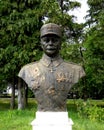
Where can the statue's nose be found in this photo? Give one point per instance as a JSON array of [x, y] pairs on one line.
[[50, 42]]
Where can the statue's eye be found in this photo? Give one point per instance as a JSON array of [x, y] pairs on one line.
[[54, 39], [46, 39]]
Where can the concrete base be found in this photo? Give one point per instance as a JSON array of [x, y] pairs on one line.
[[52, 121]]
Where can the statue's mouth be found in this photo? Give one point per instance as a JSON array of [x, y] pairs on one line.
[[51, 48]]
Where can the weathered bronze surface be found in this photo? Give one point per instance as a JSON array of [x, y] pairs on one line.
[[51, 78]]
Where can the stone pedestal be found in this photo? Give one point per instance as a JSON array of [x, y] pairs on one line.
[[52, 121]]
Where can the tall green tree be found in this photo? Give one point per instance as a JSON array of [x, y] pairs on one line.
[[19, 32], [94, 54]]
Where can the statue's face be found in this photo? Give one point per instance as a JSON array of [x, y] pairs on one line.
[[51, 45]]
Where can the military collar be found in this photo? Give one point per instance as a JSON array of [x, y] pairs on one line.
[[46, 60]]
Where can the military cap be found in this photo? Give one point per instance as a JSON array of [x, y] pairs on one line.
[[50, 28]]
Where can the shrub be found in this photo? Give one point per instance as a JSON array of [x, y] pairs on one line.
[[88, 110]]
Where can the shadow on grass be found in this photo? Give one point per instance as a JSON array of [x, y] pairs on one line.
[[5, 104]]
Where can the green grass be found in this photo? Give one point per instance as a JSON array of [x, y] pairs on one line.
[[85, 124], [82, 123], [21, 119], [16, 119]]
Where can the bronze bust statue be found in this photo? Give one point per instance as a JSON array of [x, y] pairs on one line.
[[51, 78]]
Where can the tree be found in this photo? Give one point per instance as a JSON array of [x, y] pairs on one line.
[[58, 11], [19, 31], [94, 44], [20, 28], [95, 11]]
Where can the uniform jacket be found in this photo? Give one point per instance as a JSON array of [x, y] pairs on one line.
[[51, 79]]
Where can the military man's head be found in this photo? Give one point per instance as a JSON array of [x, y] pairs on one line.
[[51, 39]]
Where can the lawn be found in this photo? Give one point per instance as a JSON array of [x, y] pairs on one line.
[[21, 119]]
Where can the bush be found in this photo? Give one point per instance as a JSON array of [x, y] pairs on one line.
[[88, 110]]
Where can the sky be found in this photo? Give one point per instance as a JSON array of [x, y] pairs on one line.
[[80, 13]]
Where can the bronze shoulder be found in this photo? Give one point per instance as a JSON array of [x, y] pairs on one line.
[[28, 71], [30, 64], [71, 64]]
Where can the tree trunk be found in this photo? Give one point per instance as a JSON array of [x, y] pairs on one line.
[[20, 100], [24, 95], [12, 103]]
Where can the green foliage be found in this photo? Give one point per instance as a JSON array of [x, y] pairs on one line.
[[95, 12], [71, 52], [19, 31], [94, 45], [94, 62], [57, 12], [30, 94], [91, 111], [20, 25]]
